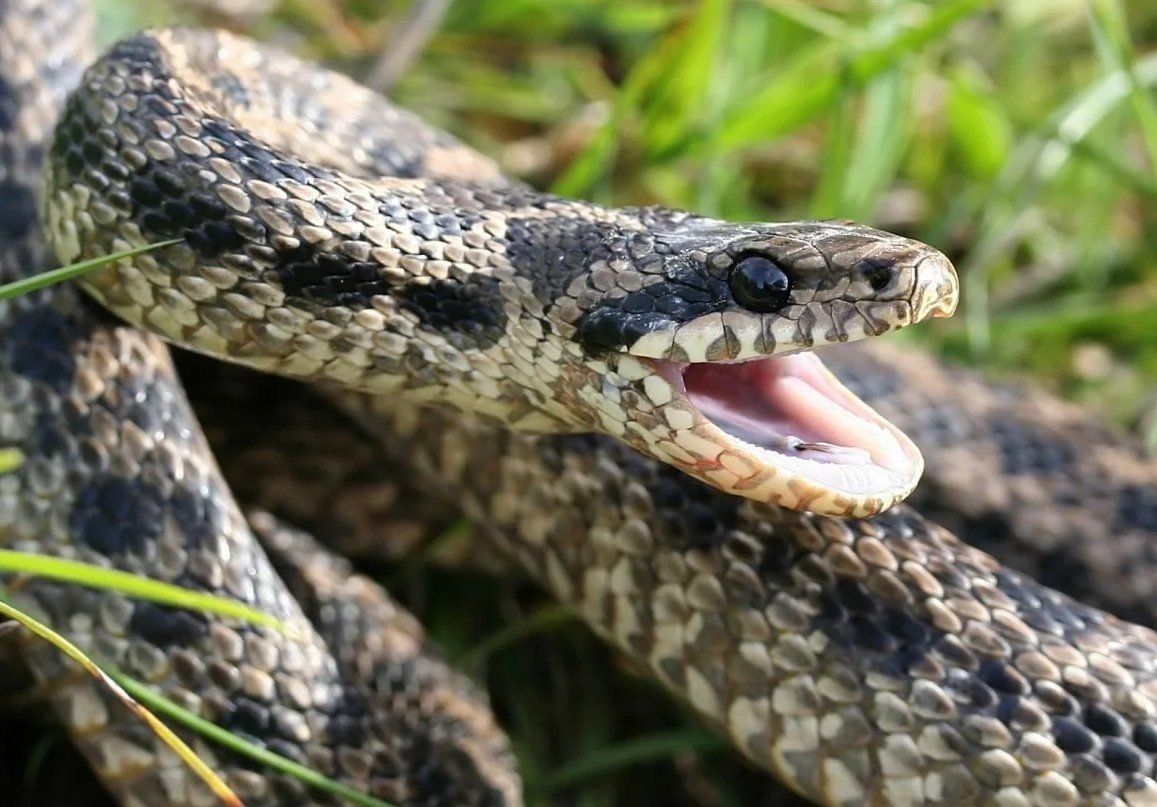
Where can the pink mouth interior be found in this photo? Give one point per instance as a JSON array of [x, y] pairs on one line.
[[795, 408]]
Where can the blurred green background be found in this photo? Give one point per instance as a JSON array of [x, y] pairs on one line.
[[1020, 137]]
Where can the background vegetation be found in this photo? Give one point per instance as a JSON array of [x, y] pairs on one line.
[[1020, 137]]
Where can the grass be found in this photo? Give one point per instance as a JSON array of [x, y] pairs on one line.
[[1019, 137]]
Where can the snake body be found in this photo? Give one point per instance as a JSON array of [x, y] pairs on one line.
[[1035, 481], [860, 660], [382, 271]]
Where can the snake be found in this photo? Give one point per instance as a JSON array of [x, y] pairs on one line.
[[855, 649]]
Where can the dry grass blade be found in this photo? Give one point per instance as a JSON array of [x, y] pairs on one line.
[[179, 747]]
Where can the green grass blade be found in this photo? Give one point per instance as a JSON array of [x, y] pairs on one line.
[[1111, 35], [74, 270], [177, 714], [614, 758], [800, 91], [10, 459], [135, 586], [543, 619]]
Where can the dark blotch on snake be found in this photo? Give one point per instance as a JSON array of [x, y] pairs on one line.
[[37, 345], [1071, 736], [198, 514], [17, 210], [149, 403], [9, 105], [1028, 449], [1002, 678], [1105, 721], [331, 279], [552, 252], [1145, 736], [116, 516], [166, 627], [471, 306], [855, 619], [1136, 509], [52, 438], [1123, 757], [246, 716]]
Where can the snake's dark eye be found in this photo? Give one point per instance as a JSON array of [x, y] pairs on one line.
[[759, 284]]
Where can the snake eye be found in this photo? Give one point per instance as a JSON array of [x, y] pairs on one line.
[[759, 284]]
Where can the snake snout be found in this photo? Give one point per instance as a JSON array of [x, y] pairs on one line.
[[938, 290]]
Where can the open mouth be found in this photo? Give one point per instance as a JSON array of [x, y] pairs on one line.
[[789, 412]]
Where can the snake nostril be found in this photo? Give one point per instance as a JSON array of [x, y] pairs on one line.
[[877, 272]]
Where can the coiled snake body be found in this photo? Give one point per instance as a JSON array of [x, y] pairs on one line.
[[858, 659]]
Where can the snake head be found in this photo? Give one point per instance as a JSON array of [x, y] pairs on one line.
[[706, 342]]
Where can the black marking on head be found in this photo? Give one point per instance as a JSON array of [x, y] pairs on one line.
[[167, 627], [1028, 448], [660, 284], [610, 328], [17, 211], [554, 252], [471, 306], [116, 516], [37, 344]]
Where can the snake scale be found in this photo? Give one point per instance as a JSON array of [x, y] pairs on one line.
[[859, 659]]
